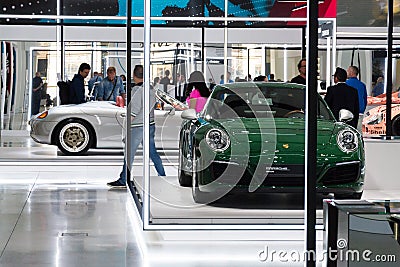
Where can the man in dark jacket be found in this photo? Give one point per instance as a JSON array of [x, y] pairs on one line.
[[77, 86], [301, 78], [165, 81], [342, 96], [37, 85]]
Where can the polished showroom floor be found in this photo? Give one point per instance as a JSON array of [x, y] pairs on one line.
[[56, 211]]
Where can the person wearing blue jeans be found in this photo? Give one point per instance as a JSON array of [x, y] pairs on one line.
[[137, 128], [137, 138]]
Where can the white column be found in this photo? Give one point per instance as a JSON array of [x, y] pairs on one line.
[[4, 76], [328, 62]]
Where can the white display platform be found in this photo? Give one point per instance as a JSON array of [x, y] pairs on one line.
[[172, 204], [382, 159], [220, 247]]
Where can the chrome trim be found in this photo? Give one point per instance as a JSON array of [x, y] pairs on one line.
[[226, 162], [347, 163]]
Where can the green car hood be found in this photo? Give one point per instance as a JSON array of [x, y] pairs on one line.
[[291, 131], [278, 137]]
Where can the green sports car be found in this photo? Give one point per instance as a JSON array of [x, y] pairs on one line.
[[250, 138]]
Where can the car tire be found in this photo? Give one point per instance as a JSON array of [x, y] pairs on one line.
[[183, 179], [198, 196], [73, 137], [396, 126]]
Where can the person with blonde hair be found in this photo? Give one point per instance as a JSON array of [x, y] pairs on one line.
[[110, 87]]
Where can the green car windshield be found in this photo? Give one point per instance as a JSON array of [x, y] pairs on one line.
[[255, 101]]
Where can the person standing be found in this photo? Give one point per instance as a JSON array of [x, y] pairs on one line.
[[123, 78], [271, 77], [165, 81], [228, 78], [91, 84], [181, 87], [211, 84], [261, 78], [342, 96], [199, 91], [353, 81], [77, 86], [37, 85], [137, 128], [301, 78], [110, 87], [379, 87]]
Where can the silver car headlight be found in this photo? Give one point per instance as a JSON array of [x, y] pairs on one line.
[[375, 119], [217, 140], [347, 140]]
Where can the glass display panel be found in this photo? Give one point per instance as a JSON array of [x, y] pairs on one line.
[[373, 76], [113, 11], [174, 198], [100, 8], [167, 201], [369, 13]]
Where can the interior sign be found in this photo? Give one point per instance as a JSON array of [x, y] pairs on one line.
[[325, 30]]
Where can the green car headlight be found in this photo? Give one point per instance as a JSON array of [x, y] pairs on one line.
[[375, 119], [347, 140], [217, 140]]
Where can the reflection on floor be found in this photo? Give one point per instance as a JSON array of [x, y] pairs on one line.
[[172, 204], [65, 217], [49, 219], [17, 121]]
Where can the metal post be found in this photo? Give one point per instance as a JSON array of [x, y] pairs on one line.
[[61, 12], [203, 58], [4, 79], [30, 83], [59, 55], [248, 64], [146, 109], [389, 69], [334, 43], [328, 62], [311, 130], [128, 107], [226, 43], [128, 90], [303, 42]]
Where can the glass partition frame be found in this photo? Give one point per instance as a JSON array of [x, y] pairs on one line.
[[146, 216]]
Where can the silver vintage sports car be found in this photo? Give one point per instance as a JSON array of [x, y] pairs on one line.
[[74, 129]]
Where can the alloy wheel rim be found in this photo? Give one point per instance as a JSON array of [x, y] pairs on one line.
[[74, 137]]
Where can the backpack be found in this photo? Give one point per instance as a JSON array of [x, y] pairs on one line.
[[64, 91]]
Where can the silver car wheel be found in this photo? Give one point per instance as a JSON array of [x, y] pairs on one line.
[[74, 137]]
